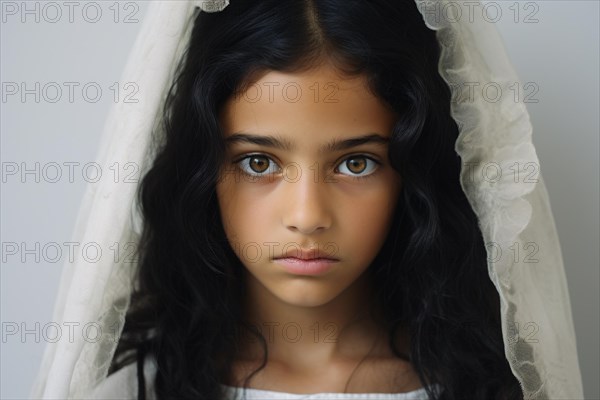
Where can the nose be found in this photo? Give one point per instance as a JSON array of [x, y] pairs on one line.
[[307, 203]]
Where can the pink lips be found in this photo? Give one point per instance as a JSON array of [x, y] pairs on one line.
[[314, 266]]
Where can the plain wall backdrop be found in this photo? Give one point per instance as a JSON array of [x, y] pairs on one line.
[[558, 54]]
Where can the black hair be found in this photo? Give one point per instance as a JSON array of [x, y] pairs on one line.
[[431, 274]]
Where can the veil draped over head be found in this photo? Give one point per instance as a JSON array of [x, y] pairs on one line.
[[500, 175]]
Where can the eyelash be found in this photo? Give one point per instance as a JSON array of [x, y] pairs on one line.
[[355, 177]]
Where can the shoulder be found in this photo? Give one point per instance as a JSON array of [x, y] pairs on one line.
[[123, 384]]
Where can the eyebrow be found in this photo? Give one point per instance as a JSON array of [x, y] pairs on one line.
[[284, 144]]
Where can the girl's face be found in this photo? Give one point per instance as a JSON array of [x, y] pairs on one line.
[[307, 168]]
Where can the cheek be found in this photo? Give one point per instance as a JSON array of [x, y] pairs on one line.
[[227, 200], [243, 212], [368, 227]]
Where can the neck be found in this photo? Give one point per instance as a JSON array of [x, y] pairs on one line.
[[299, 336]]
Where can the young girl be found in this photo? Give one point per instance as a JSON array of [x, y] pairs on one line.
[[306, 233]]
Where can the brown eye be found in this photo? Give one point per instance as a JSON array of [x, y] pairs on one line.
[[356, 165], [259, 163]]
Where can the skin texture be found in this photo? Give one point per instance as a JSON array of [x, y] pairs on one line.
[[304, 198]]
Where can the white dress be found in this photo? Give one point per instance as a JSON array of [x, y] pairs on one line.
[[123, 384]]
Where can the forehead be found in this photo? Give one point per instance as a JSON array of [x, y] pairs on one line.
[[309, 105]]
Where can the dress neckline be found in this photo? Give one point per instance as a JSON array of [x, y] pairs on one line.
[[272, 394]]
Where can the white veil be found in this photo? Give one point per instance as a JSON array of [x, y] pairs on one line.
[[500, 175]]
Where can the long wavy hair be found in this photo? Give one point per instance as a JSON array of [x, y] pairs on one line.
[[431, 274]]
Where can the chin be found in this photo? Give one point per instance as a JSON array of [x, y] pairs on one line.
[[305, 296], [303, 301]]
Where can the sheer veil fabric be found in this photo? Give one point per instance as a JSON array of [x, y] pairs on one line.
[[500, 175]]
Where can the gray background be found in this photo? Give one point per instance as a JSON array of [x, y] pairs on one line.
[[559, 53]]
